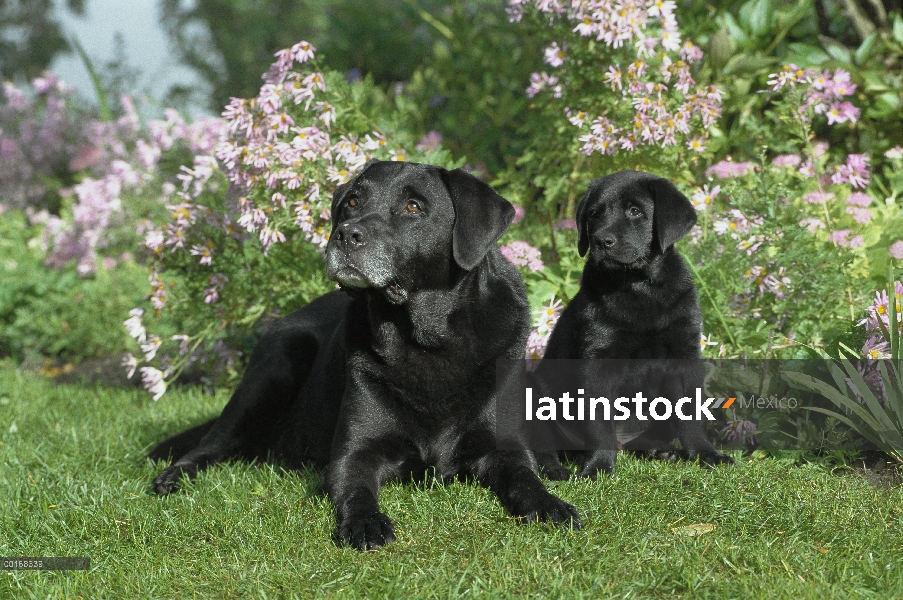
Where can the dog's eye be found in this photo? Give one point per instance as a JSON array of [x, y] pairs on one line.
[[633, 211], [412, 207], [352, 202]]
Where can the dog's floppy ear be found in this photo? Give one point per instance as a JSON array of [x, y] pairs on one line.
[[583, 216], [674, 215], [481, 217], [339, 194]]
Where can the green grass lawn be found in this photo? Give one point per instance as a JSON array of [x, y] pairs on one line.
[[75, 482]]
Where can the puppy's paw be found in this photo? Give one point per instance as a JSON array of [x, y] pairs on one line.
[[662, 454], [549, 508], [713, 457], [556, 473], [601, 461], [710, 457], [367, 532]]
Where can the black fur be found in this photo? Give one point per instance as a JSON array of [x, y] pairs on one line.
[[636, 301], [397, 373]]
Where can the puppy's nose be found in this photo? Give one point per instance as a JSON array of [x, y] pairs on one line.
[[606, 240], [351, 235]]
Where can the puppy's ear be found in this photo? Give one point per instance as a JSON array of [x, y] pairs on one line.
[[674, 215], [481, 217], [582, 218], [339, 194]]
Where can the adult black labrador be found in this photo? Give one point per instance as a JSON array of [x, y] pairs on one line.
[[636, 301], [396, 373]]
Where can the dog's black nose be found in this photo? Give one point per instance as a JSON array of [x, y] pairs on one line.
[[353, 235]]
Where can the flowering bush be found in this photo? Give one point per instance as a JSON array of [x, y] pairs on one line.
[[620, 91], [85, 178], [39, 138], [252, 214]]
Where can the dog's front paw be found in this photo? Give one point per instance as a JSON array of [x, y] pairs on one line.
[[367, 532], [546, 507], [601, 461], [168, 480]]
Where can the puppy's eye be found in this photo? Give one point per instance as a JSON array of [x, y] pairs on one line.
[[633, 211], [412, 207], [352, 202]]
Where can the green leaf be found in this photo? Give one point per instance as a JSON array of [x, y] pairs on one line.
[[737, 33], [761, 17], [898, 29], [806, 54], [720, 48], [838, 51], [866, 49], [834, 395], [743, 63], [104, 106]]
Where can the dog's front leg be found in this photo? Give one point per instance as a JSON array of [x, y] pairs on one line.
[[353, 482], [511, 475]]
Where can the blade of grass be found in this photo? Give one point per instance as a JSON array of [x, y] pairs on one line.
[[103, 104], [714, 304]]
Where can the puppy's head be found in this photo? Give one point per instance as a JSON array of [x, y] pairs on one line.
[[399, 227], [629, 217]]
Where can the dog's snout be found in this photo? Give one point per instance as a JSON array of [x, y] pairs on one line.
[[351, 235]]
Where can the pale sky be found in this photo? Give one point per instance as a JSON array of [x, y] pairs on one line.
[[146, 46]]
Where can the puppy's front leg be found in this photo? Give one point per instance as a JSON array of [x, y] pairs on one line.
[[604, 452], [696, 445], [511, 474]]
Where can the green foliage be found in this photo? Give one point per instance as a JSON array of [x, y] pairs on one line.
[[470, 86], [746, 41], [231, 42], [57, 313]]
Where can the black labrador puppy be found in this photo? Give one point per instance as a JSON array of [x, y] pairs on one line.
[[397, 372], [636, 301]]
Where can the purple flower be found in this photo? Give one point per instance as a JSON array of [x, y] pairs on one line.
[[787, 160], [739, 430], [855, 171], [153, 382], [817, 197], [812, 224], [859, 199], [519, 213], [727, 169], [554, 54], [860, 215], [541, 81], [896, 250], [841, 112], [430, 141], [543, 325], [523, 254]]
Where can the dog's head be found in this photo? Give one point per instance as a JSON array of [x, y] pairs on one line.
[[399, 227], [627, 218]]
